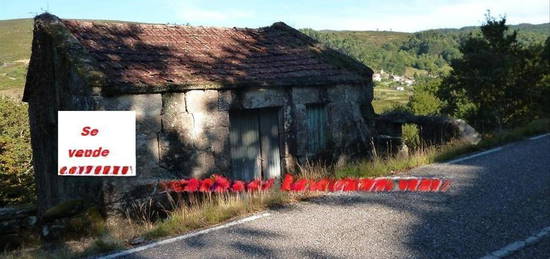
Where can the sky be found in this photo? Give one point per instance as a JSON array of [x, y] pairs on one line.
[[394, 15]]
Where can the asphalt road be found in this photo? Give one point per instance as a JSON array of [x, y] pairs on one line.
[[496, 199]]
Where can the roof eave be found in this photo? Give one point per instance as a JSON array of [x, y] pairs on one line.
[[123, 88]]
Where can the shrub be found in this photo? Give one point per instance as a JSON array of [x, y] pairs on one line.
[[424, 100], [16, 173], [424, 103], [411, 135]]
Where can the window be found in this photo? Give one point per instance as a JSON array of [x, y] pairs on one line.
[[316, 121]]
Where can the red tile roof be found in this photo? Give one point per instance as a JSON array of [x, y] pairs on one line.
[[162, 55]]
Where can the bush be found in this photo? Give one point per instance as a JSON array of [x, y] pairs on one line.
[[16, 173], [411, 136], [424, 100], [424, 103]]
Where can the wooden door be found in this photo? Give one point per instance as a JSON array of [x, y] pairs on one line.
[[269, 140], [245, 146], [254, 140]]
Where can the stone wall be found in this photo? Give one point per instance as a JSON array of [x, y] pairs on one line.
[[195, 133], [349, 128], [54, 85], [433, 129], [186, 134]]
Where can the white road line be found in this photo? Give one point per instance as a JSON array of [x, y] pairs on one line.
[[186, 236], [474, 155], [539, 136], [518, 245]]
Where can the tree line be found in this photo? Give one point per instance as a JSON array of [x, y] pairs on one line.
[[498, 81], [430, 51]]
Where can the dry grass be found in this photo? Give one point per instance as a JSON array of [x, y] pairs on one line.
[[382, 166], [315, 170], [144, 223], [219, 208]]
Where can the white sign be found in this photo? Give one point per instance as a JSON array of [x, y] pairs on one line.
[[96, 143]]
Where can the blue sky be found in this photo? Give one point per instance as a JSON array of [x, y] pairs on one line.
[[396, 15]]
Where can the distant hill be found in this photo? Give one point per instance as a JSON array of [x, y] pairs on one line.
[[15, 52], [417, 53], [15, 49], [398, 52], [15, 39]]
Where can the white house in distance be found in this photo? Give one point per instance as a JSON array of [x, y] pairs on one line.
[[376, 77]]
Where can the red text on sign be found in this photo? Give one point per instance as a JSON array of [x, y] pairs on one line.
[[89, 152], [86, 131]]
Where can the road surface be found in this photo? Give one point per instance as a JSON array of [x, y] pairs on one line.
[[496, 199]]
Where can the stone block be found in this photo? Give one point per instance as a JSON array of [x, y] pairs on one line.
[[205, 120], [306, 95], [201, 101], [263, 98], [202, 164], [147, 156], [173, 103], [181, 123], [147, 107], [344, 93], [174, 151], [219, 140], [227, 100]]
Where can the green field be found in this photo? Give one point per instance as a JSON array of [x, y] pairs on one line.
[[15, 50], [12, 75], [386, 98]]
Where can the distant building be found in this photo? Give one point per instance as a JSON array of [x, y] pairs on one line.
[[376, 77], [408, 82], [396, 78], [400, 88]]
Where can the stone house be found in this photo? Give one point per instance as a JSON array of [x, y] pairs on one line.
[[246, 103]]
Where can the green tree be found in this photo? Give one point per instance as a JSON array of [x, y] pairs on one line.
[[495, 78], [424, 100]]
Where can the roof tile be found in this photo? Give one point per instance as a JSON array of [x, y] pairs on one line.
[[156, 55]]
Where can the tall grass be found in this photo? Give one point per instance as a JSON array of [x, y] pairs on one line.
[[218, 208], [382, 166], [312, 169], [206, 211]]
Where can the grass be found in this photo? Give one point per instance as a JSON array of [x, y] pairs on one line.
[[15, 51], [386, 97], [382, 166], [218, 208], [203, 212], [15, 39], [12, 75], [213, 209]]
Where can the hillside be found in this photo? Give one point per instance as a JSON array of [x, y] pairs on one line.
[[417, 53], [15, 48], [15, 51], [400, 53]]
